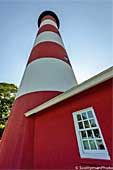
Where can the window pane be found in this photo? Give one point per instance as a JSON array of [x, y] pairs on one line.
[[85, 144], [90, 114], [86, 123], [92, 122], [100, 144], [90, 140], [96, 133], [78, 117], [92, 144], [80, 125], [89, 132], [84, 116], [83, 134]]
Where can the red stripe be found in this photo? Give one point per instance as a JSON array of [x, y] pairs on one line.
[[31, 100], [48, 49], [48, 17], [17, 145], [48, 27]]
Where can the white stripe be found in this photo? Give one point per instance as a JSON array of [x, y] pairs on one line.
[[48, 36], [48, 21], [47, 74]]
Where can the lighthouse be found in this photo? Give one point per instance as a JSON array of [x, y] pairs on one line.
[[48, 73]]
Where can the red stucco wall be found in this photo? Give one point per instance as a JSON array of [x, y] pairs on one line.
[[55, 139], [48, 139]]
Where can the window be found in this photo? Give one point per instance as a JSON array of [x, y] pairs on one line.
[[90, 140]]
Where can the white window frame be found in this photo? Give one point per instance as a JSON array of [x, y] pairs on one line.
[[89, 153]]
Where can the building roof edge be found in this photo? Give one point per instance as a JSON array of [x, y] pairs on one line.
[[93, 81]]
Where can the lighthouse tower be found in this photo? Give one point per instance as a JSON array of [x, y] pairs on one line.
[[48, 73]]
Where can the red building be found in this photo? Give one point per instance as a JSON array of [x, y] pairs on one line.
[[55, 122]]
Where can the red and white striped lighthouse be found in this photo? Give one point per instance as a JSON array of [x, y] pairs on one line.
[[48, 73]]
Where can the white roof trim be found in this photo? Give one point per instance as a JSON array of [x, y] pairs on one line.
[[99, 78]]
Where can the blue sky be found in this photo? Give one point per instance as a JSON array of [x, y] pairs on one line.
[[85, 26]]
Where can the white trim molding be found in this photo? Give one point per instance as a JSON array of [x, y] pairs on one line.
[[99, 78]]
